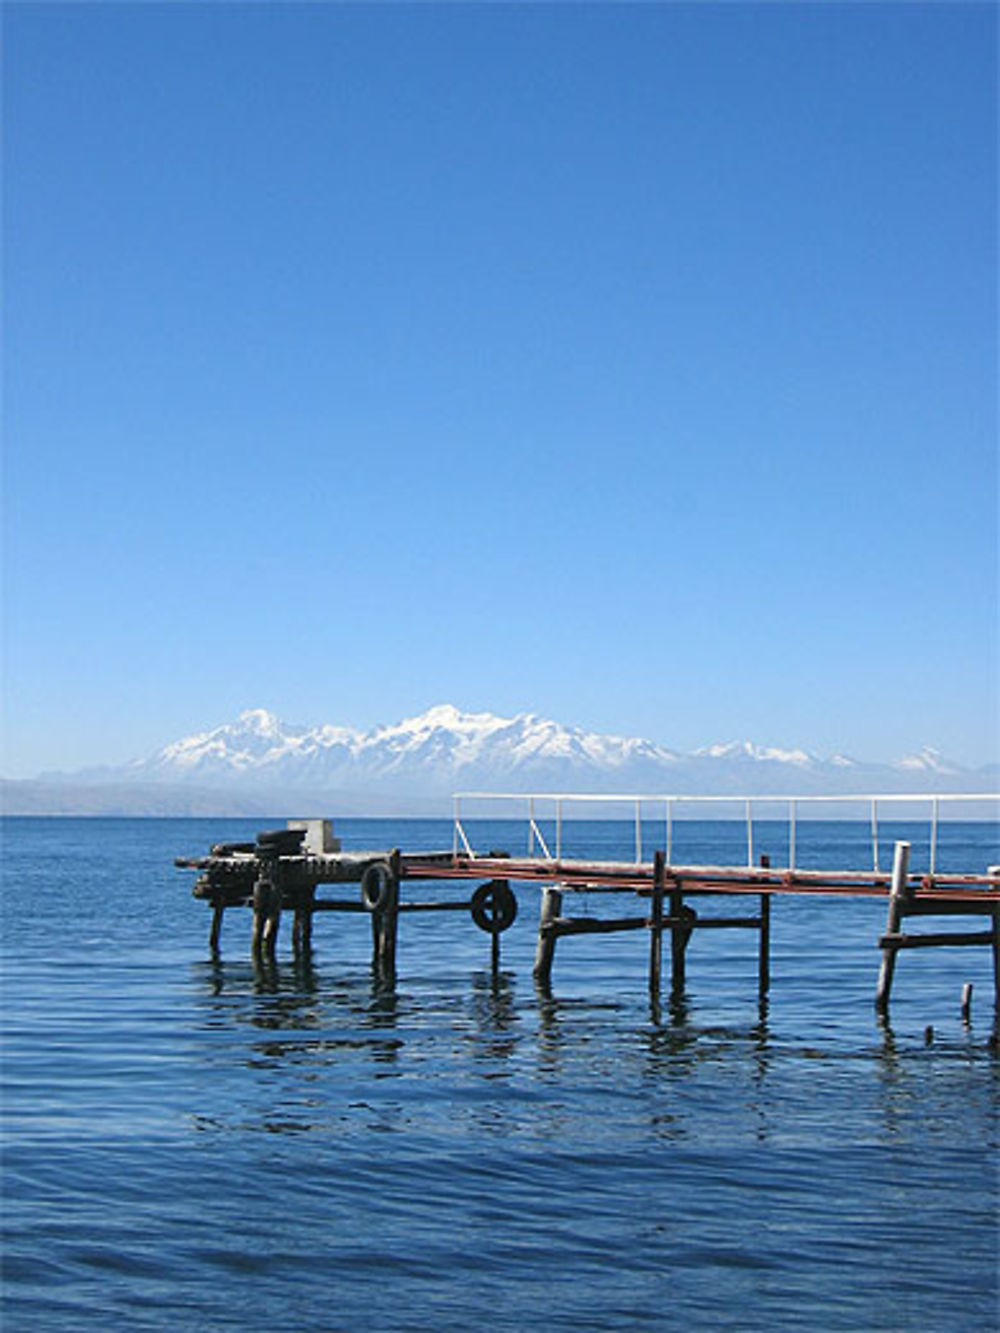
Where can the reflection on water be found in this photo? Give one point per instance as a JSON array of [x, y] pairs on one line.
[[227, 1145]]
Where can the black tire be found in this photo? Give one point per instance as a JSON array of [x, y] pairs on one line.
[[376, 885], [494, 907], [280, 842]]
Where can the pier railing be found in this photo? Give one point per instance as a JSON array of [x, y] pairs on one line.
[[555, 808]]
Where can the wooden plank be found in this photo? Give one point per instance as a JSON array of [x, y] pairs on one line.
[[920, 906], [896, 940], [591, 925], [725, 923]]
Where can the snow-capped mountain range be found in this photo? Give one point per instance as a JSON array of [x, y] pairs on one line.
[[446, 749]]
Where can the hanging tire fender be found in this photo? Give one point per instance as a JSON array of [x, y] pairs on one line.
[[494, 907], [376, 885]]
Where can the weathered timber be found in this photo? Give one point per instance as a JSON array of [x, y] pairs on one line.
[[546, 948], [722, 923], [656, 924], [918, 906], [764, 940], [593, 925], [680, 935], [218, 910], [898, 895], [285, 869], [935, 939], [906, 900], [303, 922]]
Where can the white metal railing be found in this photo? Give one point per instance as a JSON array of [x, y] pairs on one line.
[[641, 804]]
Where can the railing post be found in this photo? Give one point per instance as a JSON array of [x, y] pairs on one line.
[[749, 832], [995, 870], [791, 835]]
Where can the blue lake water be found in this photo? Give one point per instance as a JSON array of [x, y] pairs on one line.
[[198, 1144]]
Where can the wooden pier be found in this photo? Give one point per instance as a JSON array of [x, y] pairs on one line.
[[290, 870]]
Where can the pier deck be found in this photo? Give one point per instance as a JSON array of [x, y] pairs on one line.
[[284, 870]]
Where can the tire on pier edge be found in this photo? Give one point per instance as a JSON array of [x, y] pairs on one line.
[[376, 885], [494, 907]]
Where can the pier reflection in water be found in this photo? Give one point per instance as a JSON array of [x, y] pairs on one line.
[[208, 1144]]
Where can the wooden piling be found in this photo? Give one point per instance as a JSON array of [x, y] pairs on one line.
[[898, 894], [272, 920], [546, 948], [656, 924], [215, 936], [680, 935], [967, 1002], [303, 921], [764, 939], [260, 901], [385, 925]]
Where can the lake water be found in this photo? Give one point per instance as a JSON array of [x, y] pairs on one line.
[[193, 1144]]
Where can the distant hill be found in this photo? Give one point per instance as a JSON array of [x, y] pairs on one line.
[[258, 765]]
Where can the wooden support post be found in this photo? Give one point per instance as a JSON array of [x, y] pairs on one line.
[[385, 925], [546, 949], [261, 890], [272, 921], [376, 940], [764, 941], [996, 960], [898, 894], [680, 934], [967, 1002], [390, 919], [656, 924], [302, 927], [216, 933]]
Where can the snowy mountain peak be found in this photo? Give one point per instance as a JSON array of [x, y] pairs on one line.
[[927, 760], [445, 749], [256, 722], [748, 750], [450, 718]]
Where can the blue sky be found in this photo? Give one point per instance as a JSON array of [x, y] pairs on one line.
[[630, 364]]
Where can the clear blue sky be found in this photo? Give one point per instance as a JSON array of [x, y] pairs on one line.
[[631, 364]]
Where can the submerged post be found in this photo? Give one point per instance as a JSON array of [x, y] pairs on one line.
[[303, 921], [385, 923], [656, 924], [218, 910], [764, 940], [680, 934], [898, 894], [546, 949]]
